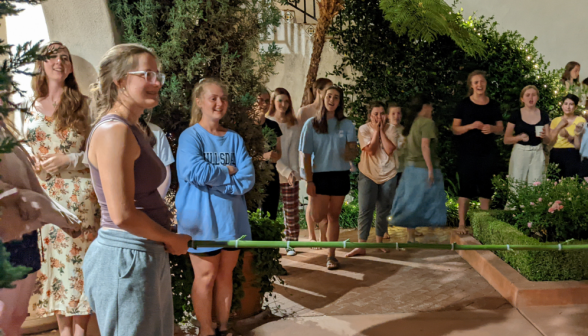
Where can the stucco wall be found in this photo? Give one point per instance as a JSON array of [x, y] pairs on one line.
[[296, 47], [86, 27]]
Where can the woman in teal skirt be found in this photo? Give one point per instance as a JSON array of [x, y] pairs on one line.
[[420, 197]]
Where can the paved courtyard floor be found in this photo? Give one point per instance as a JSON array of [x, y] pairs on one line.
[[412, 292]]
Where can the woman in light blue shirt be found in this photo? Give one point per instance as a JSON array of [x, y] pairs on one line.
[[331, 139]]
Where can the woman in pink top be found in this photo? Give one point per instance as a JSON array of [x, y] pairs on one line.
[[377, 174]]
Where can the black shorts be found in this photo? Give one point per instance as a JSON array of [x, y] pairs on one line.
[[333, 183], [215, 252], [568, 160], [583, 168], [25, 252], [475, 176]]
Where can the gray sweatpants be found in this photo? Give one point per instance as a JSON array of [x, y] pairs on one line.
[[128, 285], [372, 196]]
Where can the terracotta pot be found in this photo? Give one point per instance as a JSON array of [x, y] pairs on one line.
[[251, 302]]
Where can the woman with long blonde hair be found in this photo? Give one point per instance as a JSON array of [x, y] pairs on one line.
[[215, 172], [128, 281], [56, 133]]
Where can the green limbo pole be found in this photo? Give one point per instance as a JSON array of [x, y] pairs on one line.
[[239, 243]]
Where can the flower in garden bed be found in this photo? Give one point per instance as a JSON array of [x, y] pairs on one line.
[[537, 183], [529, 225], [555, 207]]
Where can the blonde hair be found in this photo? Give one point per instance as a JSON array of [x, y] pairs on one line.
[[472, 75], [196, 112], [527, 88], [72, 111], [114, 66]]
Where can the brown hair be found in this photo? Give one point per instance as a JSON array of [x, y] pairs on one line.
[[319, 84], [373, 105], [414, 108], [114, 66], [290, 117], [527, 88], [320, 121], [73, 110], [469, 81], [568, 71], [196, 113]]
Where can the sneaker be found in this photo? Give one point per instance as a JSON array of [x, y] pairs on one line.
[[291, 252]]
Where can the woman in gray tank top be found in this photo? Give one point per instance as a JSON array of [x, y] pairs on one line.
[[127, 273]]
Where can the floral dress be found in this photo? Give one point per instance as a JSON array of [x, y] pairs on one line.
[[60, 282]]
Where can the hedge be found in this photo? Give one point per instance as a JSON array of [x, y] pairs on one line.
[[533, 265]]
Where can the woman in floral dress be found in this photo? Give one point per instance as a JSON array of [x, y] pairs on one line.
[[56, 131]]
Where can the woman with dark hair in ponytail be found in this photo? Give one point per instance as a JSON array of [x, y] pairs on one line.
[[420, 197], [311, 106]]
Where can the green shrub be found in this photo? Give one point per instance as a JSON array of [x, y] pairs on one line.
[[533, 265], [378, 64], [552, 210]]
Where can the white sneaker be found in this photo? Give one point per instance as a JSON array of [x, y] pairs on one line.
[[291, 252]]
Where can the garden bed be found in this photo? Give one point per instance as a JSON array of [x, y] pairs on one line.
[[533, 265], [542, 267]]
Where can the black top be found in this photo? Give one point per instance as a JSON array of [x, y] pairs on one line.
[[274, 126], [522, 127], [474, 142]]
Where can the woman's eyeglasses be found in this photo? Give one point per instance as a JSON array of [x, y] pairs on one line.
[[150, 76]]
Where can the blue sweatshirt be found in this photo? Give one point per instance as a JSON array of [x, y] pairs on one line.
[[211, 203]]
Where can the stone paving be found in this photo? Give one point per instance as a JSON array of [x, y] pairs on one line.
[[412, 292], [380, 283]]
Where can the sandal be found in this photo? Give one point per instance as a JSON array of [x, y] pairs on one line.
[[332, 263]]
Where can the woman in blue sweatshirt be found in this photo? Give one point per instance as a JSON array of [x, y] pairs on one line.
[[214, 171]]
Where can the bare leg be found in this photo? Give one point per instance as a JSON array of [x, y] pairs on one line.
[[464, 205], [485, 203], [318, 208], [14, 303], [379, 240], [410, 235], [356, 251], [205, 271], [65, 324], [223, 288], [310, 223], [80, 325], [334, 210]]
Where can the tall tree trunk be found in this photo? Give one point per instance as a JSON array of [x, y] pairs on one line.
[[328, 9]]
